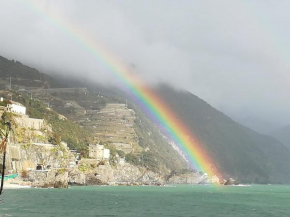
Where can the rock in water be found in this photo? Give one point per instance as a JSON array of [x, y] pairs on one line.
[[92, 179], [231, 181], [61, 180], [76, 177]]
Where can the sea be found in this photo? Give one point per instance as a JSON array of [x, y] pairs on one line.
[[145, 201]]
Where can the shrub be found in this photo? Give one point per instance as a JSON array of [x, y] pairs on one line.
[[24, 174], [61, 171]]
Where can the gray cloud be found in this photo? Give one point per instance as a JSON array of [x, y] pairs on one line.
[[232, 54]]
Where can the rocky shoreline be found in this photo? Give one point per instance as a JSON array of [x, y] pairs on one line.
[[121, 175], [102, 175]]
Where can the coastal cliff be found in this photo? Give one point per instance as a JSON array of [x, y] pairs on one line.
[[125, 174], [104, 175]]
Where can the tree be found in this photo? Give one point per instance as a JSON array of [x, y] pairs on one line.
[[55, 139], [6, 126]]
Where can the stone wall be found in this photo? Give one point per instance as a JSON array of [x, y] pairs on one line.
[[31, 123]]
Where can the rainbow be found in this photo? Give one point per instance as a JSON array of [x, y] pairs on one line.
[[145, 96]]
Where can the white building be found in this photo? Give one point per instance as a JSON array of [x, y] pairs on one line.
[[16, 107], [106, 154], [99, 152]]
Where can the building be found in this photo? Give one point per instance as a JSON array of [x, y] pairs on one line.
[[99, 152], [106, 154], [16, 107]]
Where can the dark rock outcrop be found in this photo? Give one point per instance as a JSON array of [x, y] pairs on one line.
[[230, 181]]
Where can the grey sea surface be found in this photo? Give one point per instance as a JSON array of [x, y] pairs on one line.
[[175, 201]]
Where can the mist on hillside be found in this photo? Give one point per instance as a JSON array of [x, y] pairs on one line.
[[230, 53]]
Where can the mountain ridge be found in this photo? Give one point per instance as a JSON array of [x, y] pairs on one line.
[[238, 151]]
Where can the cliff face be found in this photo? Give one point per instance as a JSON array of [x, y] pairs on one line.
[[28, 156], [103, 175], [125, 174], [55, 178], [193, 178]]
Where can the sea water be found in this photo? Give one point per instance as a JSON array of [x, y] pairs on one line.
[[175, 201]]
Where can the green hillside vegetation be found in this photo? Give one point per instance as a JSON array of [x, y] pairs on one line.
[[157, 154], [283, 135], [23, 75], [69, 132], [237, 151]]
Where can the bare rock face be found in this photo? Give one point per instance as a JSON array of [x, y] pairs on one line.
[[93, 179], [41, 179], [231, 181], [188, 178], [151, 178], [128, 174], [215, 180], [61, 180], [48, 182], [193, 178], [49, 179], [75, 177]]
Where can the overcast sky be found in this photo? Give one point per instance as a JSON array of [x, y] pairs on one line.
[[233, 54]]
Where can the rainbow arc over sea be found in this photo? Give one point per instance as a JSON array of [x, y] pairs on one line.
[[148, 100]]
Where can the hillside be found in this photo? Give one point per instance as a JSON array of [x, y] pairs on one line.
[[95, 114], [23, 76], [283, 135], [70, 132], [238, 151], [82, 110]]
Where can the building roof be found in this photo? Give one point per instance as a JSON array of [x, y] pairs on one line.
[[15, 103]]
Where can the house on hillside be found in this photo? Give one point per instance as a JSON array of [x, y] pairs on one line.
[[99, 152], [24, 120], [16, 107]]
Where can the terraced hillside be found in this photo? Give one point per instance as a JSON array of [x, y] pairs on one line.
[[114, 124]]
